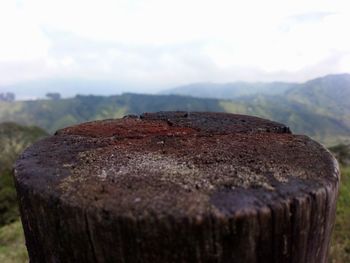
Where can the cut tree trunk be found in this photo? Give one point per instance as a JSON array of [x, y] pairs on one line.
[[177, 187]]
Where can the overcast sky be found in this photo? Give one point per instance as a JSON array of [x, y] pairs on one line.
[[163, 43]]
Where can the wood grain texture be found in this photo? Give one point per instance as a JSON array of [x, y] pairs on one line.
[[177, 187]]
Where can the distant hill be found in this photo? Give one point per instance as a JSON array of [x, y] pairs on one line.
[[318, 108], [326, 128], [55, 114], [324, 86], [69, 87], [229, 90], [323, 103], [14, 139], [329, 95]]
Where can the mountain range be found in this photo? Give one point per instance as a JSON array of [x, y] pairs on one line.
[[232, 90], [229, 90], [318, 108]]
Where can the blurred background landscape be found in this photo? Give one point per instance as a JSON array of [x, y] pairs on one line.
[[65, 62]]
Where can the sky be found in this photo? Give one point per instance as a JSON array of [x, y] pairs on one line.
[[153, 44]]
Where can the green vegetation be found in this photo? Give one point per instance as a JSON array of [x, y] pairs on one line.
[[319, 108], [8, 199], [230, 90], [13, 140], [340, 249], [313, 108], [302, 120], [342, 153], [55, 114], [12, 245]]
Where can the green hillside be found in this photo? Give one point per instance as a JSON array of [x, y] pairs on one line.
[[329, 93], [13, 140], [230, 90], [328, 96], [54, 114], [318, 108], [326, 128]]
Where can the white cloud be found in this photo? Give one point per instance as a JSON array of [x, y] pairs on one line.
[[21, 38], [161, 42]]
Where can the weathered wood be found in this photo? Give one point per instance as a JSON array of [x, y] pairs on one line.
[[177, 187]]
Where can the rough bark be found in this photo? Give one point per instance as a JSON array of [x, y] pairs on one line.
[[177, 187]]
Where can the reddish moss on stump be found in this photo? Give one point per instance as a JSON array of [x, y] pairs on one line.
[[177, 187]]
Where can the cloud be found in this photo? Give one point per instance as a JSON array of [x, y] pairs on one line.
[[158, 43], [312, 17], [21, 38]]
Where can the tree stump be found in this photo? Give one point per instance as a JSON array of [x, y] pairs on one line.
[[177, 187]]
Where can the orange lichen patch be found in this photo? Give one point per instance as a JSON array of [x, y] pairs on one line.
[[126, 128]]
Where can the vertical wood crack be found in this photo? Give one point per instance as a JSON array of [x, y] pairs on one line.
[[89, 233]]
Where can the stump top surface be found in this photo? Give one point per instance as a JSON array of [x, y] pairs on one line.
[[177, 163]]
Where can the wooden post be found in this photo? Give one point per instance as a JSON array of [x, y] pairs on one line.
[[177, 187]]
